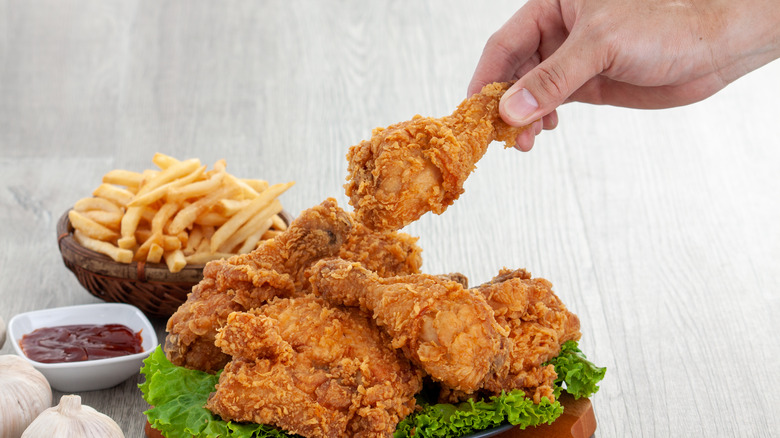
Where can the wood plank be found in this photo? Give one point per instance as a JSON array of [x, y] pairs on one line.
[[658, 228], [577, 421]]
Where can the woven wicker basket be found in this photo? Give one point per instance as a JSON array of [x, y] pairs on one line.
[[149, 286]]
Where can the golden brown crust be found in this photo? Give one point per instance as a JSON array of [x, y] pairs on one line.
[[440, 326], [538, 324], [277, 269], [247, 281], [337, 377], [420, 165]]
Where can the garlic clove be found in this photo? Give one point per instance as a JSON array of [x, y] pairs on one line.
[[72, 419], [24, 393]]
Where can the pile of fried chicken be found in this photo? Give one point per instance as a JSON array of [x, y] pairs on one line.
[[330, 329]]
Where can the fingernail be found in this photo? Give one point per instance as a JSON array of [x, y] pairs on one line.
[[520, 107]]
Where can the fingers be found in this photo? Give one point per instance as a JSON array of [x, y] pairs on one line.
[[508, 49], [525, 140], [550, 83]]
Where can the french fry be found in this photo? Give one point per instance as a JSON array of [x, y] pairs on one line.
[[251, 241], [142, 234], [203, 247], [149, 174], [258, 185], [147, 214], [246, 230], [117, 254], [161, 191], [247, 192], [170, 243], [101, 204], [122, 177], [220, 165], [108, 219], [236, 221], [175, 260], [115, 194], [195, 237], [229, 207], [187, 215], [195, 189], [183, 237], [278, 223], [179, 214], [172, 172], [142, 252], [211, 218], [90, 228], [129, 224], [200, 258], [163, 216], [155, 253], [163, 161]]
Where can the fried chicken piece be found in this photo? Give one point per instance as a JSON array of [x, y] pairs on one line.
[[247, 281], [443, 328], [313, 370], [420, 165], [538, 323], [277, 268], [386, 253]]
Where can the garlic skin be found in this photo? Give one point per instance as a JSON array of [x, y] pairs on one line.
[[72, 419], [24, 393], [2, 332]]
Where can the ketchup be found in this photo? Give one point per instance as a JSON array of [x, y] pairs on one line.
[[79, 342]]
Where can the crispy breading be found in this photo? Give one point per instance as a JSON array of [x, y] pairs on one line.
[[277, 268], [247, 281], [443, 328], [538, 323], [420, 165], [313, 370]]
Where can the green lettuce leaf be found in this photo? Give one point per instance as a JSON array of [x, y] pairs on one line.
[[579, 375], [177, 396], [447, 420]]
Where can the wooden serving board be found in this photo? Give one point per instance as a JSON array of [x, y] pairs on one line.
[[577, 421]]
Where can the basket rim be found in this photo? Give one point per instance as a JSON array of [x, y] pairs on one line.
[[101, 264]]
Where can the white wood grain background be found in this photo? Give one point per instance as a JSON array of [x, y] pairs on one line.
[[661, 229]]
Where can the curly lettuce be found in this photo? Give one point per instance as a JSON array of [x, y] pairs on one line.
[[177, 396], [447, 420], [580, 376]]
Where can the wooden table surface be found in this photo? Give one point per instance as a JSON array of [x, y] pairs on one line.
[[660, 229]]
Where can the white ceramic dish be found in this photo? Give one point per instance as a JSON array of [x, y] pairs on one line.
[[91, 374]]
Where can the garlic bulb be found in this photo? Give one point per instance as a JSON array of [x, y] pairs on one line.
[[24, 393], [72, 419]]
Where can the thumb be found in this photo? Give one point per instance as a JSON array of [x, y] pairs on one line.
[[548, 85]]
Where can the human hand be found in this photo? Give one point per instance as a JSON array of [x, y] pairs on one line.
[[631, 53]]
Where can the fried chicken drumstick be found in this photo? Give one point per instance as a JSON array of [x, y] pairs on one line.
[[417, 166], [489, 339], [276, 268], [247, 281], [440, 326], [313, 370]]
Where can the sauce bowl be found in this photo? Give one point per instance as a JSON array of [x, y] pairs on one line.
[[86, 375]]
